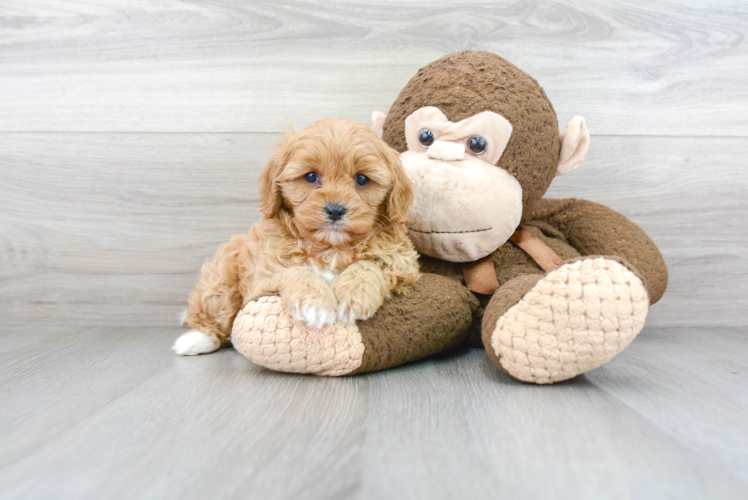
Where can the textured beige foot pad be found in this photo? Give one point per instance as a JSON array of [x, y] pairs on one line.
[[573, 320], [268, 336]]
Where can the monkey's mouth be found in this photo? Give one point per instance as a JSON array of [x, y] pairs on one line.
[[450, 232]]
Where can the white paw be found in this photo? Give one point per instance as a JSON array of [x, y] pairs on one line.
[[194, 342], [315, 317]]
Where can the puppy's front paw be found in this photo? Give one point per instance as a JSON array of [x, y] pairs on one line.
[[356, 300], [194, 342], [316, 317], [316, 309]]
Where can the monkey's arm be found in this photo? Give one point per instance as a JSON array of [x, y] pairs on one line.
[[595, 229]]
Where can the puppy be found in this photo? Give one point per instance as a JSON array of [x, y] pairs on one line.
[[332, 241]]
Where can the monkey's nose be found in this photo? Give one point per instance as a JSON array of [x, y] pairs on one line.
[[335, 212], [446, 150]]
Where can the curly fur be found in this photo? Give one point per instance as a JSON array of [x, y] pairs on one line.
[[322, 269]]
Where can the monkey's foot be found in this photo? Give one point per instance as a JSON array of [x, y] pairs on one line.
[[570, 321], [435, 316]]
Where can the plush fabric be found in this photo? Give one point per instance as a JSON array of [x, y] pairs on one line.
[[594, 229], [465, 85], [480, 276], [446, 151], [377, 122], [542, 254], [487, 82], [435, 316], [268, 336], [493, 127], [572, 320], [509, 262], [461, 235], [575, 141]]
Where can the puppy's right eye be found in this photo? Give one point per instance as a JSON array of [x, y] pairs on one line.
[[426, 137], [311, 177]]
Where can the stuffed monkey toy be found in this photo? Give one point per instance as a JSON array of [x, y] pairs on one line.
[[550, 288]]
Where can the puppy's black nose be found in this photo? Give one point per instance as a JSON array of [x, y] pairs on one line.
[[335, 212]]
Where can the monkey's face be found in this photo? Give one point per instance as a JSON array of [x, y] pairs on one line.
[[472, 183], [465, 207]]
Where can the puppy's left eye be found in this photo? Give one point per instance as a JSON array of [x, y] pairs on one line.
[[311, 177], [362, 180]]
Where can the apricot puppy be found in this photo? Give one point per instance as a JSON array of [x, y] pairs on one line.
[[332, 241]]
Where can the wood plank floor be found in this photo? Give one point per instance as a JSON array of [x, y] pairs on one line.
[[94, 412]]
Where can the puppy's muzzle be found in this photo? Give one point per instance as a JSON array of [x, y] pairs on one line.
[[335, 211]]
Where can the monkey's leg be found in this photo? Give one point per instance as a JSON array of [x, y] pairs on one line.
[[433, 317], [545, 329]]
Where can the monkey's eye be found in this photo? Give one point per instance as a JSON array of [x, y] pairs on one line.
[[311, 177], [362, 180], [477, 144], [426, 137]]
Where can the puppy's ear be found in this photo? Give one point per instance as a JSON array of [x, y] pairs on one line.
[[270, 192], [400, 197]]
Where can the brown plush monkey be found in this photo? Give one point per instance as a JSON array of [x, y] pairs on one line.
[[559, 286], [566, 284]]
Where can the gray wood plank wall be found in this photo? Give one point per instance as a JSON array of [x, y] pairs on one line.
[[132, 133]]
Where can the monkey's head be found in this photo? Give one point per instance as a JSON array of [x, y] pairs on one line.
[[480, 141]]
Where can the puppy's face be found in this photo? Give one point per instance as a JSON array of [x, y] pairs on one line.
[[339, 181]]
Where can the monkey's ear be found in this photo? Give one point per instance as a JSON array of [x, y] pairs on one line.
[[377, 122], [575, 142], [270, 193]]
